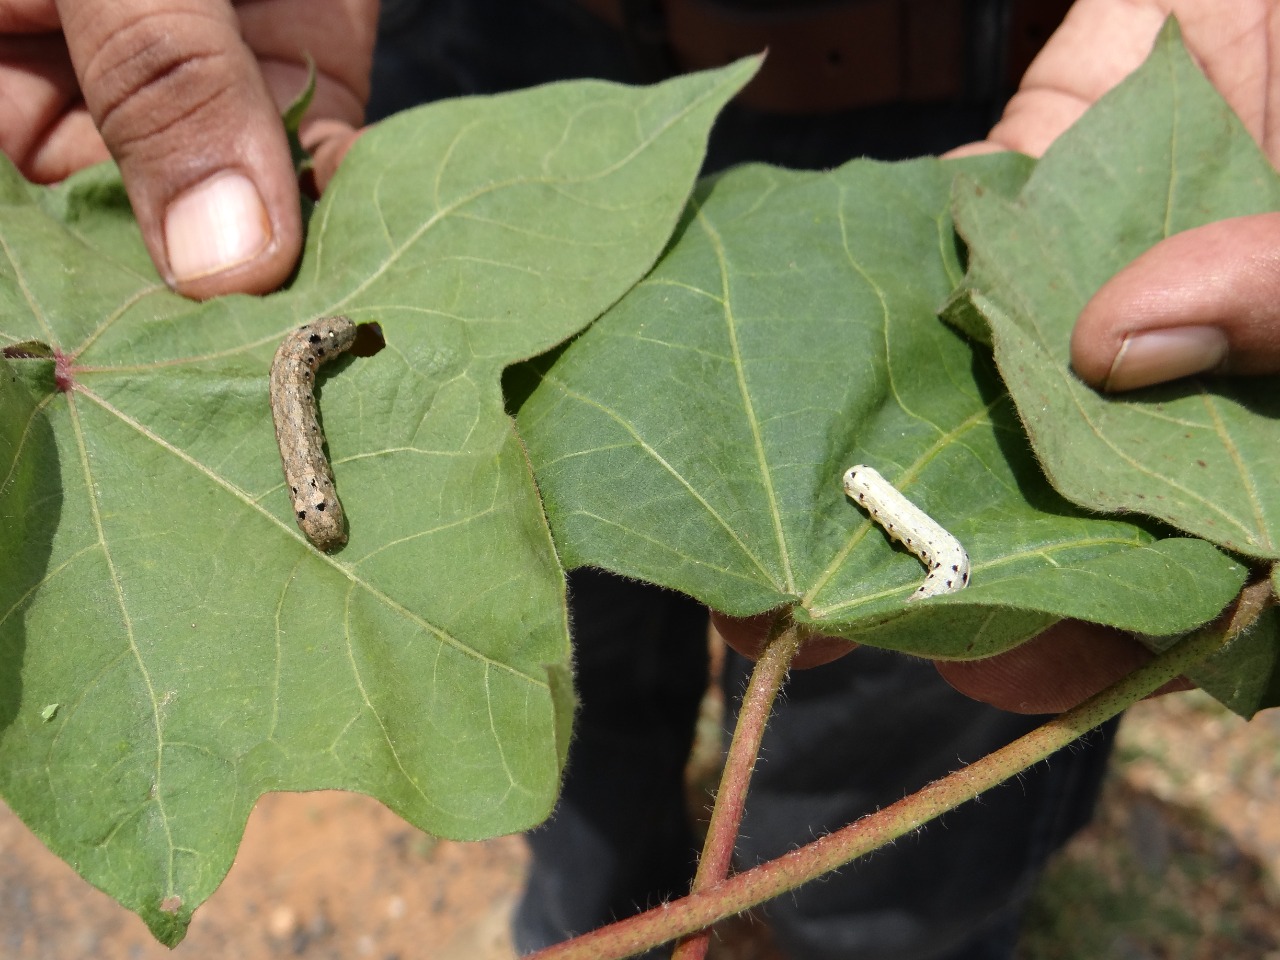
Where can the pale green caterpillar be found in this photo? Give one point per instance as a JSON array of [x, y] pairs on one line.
[[902, 520]]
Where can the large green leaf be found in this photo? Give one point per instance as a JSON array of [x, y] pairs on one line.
[[695, 435], [1160, 154], [170, 646]]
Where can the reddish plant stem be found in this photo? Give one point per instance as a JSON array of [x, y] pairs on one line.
[[767, 677], [741, 891]]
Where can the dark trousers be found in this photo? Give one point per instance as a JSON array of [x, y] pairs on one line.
[[846, 738]]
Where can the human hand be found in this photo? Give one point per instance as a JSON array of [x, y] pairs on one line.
[[186, 95], [1203, 300], [1206, 299], [1053, 671], [1049, 673]]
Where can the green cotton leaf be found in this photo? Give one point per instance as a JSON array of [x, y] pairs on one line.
[[695, 436], [155, 584], [1246, 675], [1160, 154], [292, 118]]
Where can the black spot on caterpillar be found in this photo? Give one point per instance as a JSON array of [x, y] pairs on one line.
[[293, 408], [902, 520]]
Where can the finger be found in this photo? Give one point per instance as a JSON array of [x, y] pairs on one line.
[[747, 635], [338, 36], [44, 128], [976, 149], [28, 16], [1052, 672], [328, 142], [181, 104], [70, 144], [1207, 299], [1098, 44]]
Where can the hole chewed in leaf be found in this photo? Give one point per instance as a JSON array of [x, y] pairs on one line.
[[28, 350]]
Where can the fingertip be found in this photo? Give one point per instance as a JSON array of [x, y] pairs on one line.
[[70, 144], [1097, 339], [215, 226], [219, 237], [328, 142], [1052, 672], [977, 148], [748, 635], [1158, 356], [1204, 300]]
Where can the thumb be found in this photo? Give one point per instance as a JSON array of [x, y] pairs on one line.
[[183, 108], [1207, 299]]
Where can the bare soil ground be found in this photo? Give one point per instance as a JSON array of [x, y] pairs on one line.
[[1183, 863], [1183, 859]]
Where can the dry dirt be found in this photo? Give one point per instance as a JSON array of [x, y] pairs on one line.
[[1183, 862]]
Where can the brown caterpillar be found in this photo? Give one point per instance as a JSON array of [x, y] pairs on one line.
[[293, 408]]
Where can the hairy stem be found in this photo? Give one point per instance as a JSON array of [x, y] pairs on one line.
[[701, 909], [767, 678]]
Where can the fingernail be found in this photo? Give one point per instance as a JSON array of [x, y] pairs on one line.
[[1156, 356], [215, 226]]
